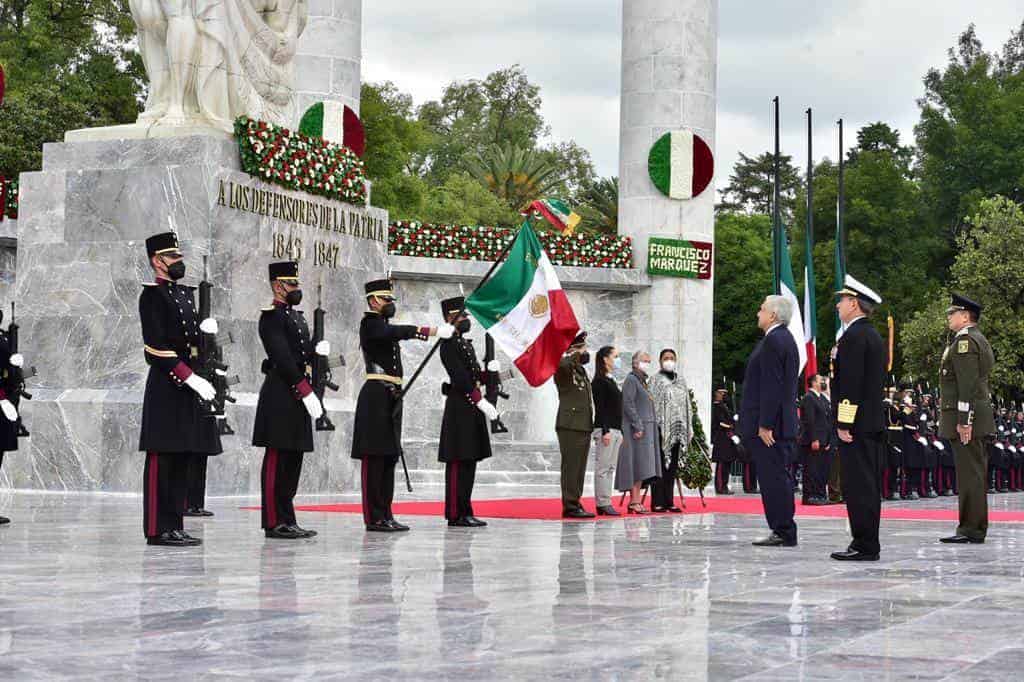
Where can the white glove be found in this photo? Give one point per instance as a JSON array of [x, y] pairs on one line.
[[323, 348], [493, 366], [939, 446], [9, 410], [209, 326], [922, 441], [445, 331], [736, 440], [313, 406], [17, 360], [490, 411], [202, 387]]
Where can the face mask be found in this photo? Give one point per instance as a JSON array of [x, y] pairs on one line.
[[584, 357], [644, 367], [463, 326], [388, 310], [176, 270], [617, 362], [293, 297], [669, 365]]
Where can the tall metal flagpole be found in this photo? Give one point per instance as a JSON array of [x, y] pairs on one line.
[[810, 178], [776, 219], [841, 201]]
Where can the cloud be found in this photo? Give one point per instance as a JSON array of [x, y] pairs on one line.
[[862, 60]]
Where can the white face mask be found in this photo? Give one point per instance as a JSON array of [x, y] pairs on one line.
[[617, 362], [644, 367], [669, 365]]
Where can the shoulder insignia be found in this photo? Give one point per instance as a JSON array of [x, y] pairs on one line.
[[267, 310], [963, 346], [149, 284]]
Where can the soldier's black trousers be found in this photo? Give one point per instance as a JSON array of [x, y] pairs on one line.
[[663, 489], [749, 477], [458, 489], [163, 492], [722, 476], [279, 480], [195, 497], [378, 476], [862, 462]]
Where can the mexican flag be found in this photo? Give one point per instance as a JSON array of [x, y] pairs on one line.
[[787, 287], [558, 213], [334, 122], [523, 308], [810, 311]]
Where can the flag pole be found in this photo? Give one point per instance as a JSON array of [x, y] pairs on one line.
[[809, 241], [776, 221]]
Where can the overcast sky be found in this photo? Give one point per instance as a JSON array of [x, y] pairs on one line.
[[862, 60]]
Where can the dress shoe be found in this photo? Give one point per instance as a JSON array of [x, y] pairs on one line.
[[284, 532], [577, 513], [725, 492], [854, 555], [306, 533], [675, 510], [816, 502], [475, 522], [192, 540], [932, 494], [171, 538], [398, 527], [962, 540], [196, 511], [991, 491], [948, 493], [774, 540], [912, 495], [607, 511], [835, 500], [460, 523], [4, 520], [380, 527]]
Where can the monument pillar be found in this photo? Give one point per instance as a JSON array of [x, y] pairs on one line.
[[669, 83], [329, 55]]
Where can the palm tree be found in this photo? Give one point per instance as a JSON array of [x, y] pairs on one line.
[[516, 175], [600, 205]]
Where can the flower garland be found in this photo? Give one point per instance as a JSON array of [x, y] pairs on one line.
[[463, 242], [8, 198], [299, 162], [695, 469]]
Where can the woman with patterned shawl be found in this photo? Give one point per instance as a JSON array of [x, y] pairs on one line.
[[675, 427]]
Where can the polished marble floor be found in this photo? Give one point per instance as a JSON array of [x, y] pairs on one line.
[[668, 598]]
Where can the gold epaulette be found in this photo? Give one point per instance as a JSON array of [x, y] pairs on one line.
[[160, 353], [847, 412], [398, 381]]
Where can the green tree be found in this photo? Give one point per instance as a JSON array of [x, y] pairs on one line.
[[970, 137], [743, 277], [516, 175], [750, 186], [599, 206], [987, 269], [462, 200]]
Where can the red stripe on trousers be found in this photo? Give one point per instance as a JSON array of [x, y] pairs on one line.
[[269, 482], [366, 506], [453, 479], [154, 468]]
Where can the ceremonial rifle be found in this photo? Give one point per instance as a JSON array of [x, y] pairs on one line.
[[493, 389], [210, 363], [321, 375], [15, 379]]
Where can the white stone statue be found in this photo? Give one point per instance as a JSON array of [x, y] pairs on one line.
[[210, 61]]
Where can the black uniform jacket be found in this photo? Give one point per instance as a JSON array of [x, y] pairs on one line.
[[464, 431], [859, 373], [173, 418], [8, 429], [376, 432], [722, 430], [282, 421]]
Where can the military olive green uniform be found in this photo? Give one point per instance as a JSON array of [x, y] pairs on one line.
[[966, 364], [574, 427]]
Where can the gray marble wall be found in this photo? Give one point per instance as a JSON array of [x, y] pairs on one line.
[[8, 258], [81, 256]]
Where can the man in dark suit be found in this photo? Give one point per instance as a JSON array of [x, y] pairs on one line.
[[768, 420], [816, 442], [858, 382]]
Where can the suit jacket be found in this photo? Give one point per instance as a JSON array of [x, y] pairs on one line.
[[859, 377], [769, 387], [575, 397], [815, 422]]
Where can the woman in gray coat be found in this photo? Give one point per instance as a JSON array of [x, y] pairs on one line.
[[638, 456]]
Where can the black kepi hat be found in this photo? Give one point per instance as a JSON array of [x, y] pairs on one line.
[[450, 306], [581, 338], [382, 288], [959, 302], [285, 271], [163, 243]]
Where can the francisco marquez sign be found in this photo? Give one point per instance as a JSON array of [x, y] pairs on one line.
[[679, 258]]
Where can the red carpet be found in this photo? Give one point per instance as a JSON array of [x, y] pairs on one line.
[[550, 509]]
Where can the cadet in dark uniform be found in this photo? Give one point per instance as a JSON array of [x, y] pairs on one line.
[[287, 405], [465, 434], [574, 424], [860, 417], [913, 452], [377, 434], [175, 424], [723, 447], [891, 483], [966, 417], [9, 364], [816, 442]]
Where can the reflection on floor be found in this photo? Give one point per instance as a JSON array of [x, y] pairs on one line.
[[668, 598]]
